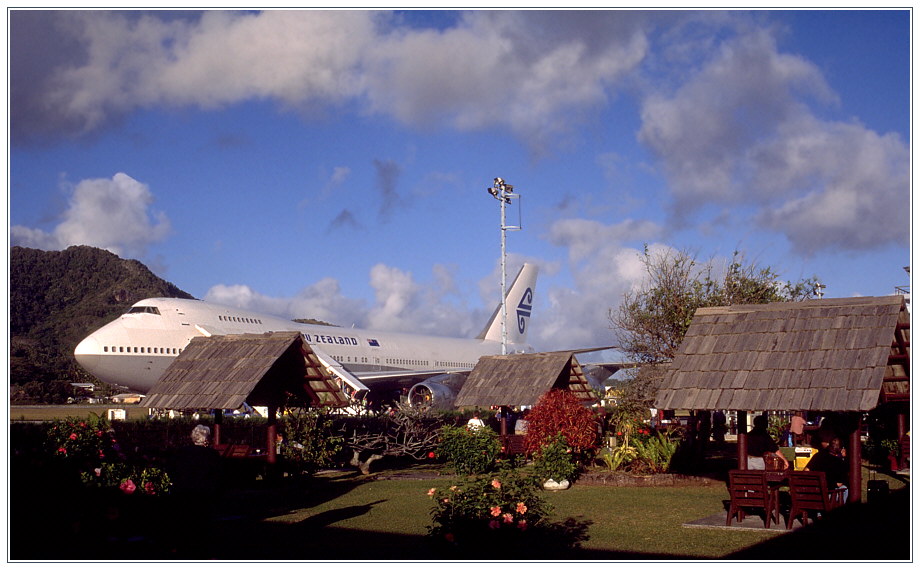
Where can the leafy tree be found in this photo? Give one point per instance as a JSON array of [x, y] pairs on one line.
[[651, 322]]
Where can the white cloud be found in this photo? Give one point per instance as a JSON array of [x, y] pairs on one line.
[[741, 132], [110, 214]]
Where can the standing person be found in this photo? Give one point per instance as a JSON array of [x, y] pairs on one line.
[[760, 443], [475, 422], [796, 429], [197, 484], [718, 426]]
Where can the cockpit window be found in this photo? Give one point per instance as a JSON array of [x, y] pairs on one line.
[[141, 309]]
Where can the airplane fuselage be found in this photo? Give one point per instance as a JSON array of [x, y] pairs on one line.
[[135, 349]]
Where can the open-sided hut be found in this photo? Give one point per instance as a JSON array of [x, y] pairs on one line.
[[521, 379], [222, 372], [825, 355]]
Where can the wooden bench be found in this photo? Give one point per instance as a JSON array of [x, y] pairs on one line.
[[749, 489], [809, 493]]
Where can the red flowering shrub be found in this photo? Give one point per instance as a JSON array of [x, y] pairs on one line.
[[560, 412]]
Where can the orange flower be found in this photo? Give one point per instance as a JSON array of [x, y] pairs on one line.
[[431, 491], [521, 508], [495, 511], [496, 483]]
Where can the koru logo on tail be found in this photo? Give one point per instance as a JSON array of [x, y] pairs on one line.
[[523, 309]]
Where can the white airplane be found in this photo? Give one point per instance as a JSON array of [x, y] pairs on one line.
[[135, 349]]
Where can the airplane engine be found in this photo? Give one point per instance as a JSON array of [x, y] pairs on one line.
[[438, 391]]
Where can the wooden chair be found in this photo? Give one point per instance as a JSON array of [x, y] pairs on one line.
[[809, 493], [773, 462], [749, 489]]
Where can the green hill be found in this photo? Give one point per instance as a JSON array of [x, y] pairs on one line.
[[56, 299]]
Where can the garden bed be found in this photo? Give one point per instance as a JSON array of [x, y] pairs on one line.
[[614, 479]]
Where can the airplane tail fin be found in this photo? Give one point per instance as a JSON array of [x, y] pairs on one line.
[[518, 304]]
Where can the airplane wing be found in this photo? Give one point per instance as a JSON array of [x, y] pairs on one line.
[[358, 389]]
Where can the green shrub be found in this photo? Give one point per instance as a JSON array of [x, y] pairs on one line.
[[469, 451], [656, 451], [554, 461], [617, 457], [308, 443]]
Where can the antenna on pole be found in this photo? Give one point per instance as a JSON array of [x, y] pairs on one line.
[[504, 193]]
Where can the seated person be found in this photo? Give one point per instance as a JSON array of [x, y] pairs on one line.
[[831, 459], [760, 443]]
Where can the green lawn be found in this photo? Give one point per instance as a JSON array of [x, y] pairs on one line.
[[344, 517]]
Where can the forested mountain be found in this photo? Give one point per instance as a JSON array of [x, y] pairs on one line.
[[56, 299]]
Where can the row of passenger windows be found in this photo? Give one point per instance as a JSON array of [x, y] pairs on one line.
[[407, 362], [444, 364], [240, 320], [141, 350]]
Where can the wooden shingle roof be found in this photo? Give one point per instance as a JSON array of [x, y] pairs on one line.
[[222, 372], [827, 355], [521, 379]]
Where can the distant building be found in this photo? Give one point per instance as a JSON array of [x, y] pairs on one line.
[[127, 398]]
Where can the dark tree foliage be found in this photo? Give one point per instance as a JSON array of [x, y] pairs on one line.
[[651, 322], [56, 299]]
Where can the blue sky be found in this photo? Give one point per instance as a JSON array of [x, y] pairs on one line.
[[333, 164]]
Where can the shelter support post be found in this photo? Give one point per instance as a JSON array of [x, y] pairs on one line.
[[218, 419], [271, 435], [742, 440], [855, 457]]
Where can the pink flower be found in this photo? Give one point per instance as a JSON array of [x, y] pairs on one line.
[[446, 500], [431, 492], [496, 483], [73, 436], [128, 487], [494, 524], [98, 471], [495, 511], [521, 508], [522, 524], [149, 488], [508, 518], [62, 450]]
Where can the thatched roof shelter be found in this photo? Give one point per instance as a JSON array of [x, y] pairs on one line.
[[222, 372], [841, 355], [521, 379]]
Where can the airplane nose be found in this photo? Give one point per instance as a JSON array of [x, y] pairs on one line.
[[88, 354]]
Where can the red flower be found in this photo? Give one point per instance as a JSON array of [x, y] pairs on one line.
[[128, 487], [62, 450], [149, 488], [73, 436], [431, 455]]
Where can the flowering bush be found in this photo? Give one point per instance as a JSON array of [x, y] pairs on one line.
[[500, 515], [486, 509], [469, 451], [82, 440], [554, 461], [129, 479], [559, 411]]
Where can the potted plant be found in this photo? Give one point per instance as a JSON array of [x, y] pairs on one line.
[[554, 464]]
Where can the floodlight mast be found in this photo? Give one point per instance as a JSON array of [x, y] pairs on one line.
[[504, 193]]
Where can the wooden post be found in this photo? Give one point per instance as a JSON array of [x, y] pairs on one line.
[[742, 440], [218, 419], [271, 434], [855, 458]]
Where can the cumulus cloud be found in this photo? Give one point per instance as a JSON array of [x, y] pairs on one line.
[[110, 214], [741, 131], [527, 72]]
